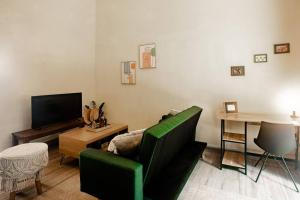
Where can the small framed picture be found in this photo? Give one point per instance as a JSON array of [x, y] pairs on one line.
[[282, 48], [231, 107], [238, 71], [260, 58], [147, 56], [128, 72]]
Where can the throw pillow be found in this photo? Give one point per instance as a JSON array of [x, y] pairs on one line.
[[126, 144]]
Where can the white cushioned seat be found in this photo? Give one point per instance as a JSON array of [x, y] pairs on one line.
[[21, 165]]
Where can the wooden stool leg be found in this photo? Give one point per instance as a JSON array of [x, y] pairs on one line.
[[38, 185], [12, 196]]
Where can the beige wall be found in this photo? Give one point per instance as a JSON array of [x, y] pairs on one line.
[[46, 47], [49, 47], [197, 41]]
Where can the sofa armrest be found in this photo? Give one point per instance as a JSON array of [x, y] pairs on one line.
[[107, 176]]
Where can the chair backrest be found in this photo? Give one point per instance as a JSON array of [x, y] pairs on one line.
[[277, 139]]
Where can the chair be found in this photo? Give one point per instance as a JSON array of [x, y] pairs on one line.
[[21, 166], [276, 140]]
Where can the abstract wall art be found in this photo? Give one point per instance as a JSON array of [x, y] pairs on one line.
[[147, 56], [128, 72]]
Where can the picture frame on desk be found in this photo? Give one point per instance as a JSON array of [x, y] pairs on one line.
[[294, 116], [231, 107]]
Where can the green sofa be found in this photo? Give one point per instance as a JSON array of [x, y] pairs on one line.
[[167, 155]]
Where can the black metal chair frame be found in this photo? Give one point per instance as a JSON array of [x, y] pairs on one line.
[[266, 155]]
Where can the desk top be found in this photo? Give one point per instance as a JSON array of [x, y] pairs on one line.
[[257, 118]]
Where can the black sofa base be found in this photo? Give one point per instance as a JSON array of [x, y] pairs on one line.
[[170, 182]]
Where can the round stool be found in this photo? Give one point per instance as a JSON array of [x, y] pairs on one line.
[[21, 166]]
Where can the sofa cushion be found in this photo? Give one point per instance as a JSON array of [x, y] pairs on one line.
[[126, 144], [163, 141]]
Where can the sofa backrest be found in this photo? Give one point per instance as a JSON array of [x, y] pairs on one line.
[[163, 141]]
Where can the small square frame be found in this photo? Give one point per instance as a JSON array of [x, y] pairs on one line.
[[260, 58], [282, 48], [231, 107]]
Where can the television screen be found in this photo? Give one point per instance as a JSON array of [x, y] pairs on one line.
[[50, 109]]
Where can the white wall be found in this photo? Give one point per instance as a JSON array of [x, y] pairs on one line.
[[197, 41], [49, 47], [46, 47]]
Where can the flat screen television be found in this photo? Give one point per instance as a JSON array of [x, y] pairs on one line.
[[50, 109]]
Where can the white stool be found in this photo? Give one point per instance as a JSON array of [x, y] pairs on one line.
[[21, 166]]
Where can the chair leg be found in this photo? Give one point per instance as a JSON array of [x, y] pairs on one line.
[[38, 186], [12, 196], [62, 159], [267, 155], [261, 157], [289, 173]]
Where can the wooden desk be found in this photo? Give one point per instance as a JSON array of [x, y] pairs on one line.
[[71, 143], [239, 160]]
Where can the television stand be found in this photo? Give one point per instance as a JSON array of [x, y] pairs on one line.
[[32, 134]]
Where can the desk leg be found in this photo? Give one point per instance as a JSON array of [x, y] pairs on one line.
[[222, 143], [12, 196], [245, 150], [297, 149]]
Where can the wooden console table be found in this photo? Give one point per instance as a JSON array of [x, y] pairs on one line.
[[31, 134], [239, 159], [71, 143]]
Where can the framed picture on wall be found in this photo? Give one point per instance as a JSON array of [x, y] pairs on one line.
[[260, 58], [282, 48], [237, 71], [128, 72], [147, 56], [231, 107]]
